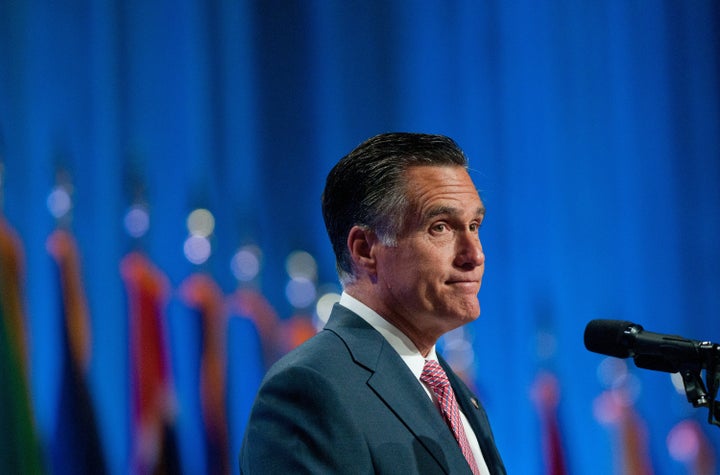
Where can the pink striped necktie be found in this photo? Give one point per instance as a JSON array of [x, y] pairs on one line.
[[434, 376]]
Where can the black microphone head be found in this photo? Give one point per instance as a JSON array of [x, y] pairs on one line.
[[609, 337]]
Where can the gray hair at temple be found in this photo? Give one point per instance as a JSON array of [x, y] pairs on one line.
[[367, 187]]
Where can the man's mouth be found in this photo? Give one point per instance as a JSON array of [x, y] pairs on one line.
[[465, 283]]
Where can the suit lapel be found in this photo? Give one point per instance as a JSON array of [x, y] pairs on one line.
[[399, 389], [395, 384], [477, 418]]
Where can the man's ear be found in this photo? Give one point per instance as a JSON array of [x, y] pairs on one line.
[[360, 242]]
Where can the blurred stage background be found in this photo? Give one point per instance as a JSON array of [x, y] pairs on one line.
[[593, 133]]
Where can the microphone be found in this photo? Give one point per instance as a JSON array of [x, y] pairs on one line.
[[669, 353], [655, 351]]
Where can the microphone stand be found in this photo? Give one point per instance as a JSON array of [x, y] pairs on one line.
[[695, 390]]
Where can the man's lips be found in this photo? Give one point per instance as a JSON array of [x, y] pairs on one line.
[[470, 284]]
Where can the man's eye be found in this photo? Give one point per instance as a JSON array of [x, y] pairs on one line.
[[440, 227], [474, 227]]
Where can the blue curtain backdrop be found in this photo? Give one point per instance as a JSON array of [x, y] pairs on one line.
[[592, 128]]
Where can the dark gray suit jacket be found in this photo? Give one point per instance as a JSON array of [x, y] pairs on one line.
[[346, 403]]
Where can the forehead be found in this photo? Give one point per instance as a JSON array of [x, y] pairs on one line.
[[447, 186]]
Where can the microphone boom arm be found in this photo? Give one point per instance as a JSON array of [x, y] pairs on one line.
[[696, 391]]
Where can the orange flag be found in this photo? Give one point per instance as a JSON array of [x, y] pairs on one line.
[[76, 447], [199, 291], [615, 409], [253, 305], [688, 444], [296, 330]]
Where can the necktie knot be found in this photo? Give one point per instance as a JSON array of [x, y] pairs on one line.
[[434, 376]]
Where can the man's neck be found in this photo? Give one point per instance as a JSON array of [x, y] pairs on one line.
[[420, 339]]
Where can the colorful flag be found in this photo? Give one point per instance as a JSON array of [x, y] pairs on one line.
[[634, 442], [251, 304], [296, 330], [687, 443], [546, 394], [615, 408], [20, 448], [154, 448], [199, 291], [76, 446]]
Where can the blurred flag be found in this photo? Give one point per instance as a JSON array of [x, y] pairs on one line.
[[296, 330], [615, 408], [253, 305], [154, 444], [688, 444], [200, 292], [546, 395], [76, 446], [20, 449], [634, 443]]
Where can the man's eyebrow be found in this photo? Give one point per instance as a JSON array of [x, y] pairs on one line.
[[451, 211]]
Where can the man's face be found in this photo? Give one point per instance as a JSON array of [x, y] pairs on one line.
[[430, 280]]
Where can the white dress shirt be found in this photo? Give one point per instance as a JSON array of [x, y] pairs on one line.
[[413, 359]]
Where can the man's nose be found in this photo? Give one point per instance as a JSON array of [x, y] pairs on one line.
[[470, 251]]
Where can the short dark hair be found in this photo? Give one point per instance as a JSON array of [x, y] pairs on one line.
[[367, 186]]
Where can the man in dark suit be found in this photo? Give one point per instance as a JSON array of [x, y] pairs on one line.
[[366, 395]]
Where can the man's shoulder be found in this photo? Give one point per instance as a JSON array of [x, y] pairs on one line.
[[316, 353], [345, 342]]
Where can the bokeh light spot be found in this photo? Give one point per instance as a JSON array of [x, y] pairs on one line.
[[201, 222], [58, 202], [300, 292], [197, 249], [324, 306], [612, 372], [683, 442], [301, 264], [137, 221], [245, 264]]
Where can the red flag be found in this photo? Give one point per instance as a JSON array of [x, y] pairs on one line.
[[152, 403], [546, 394]]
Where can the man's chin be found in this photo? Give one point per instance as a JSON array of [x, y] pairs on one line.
[[468, 314]]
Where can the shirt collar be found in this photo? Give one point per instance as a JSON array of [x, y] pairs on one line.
[[397, 339]]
